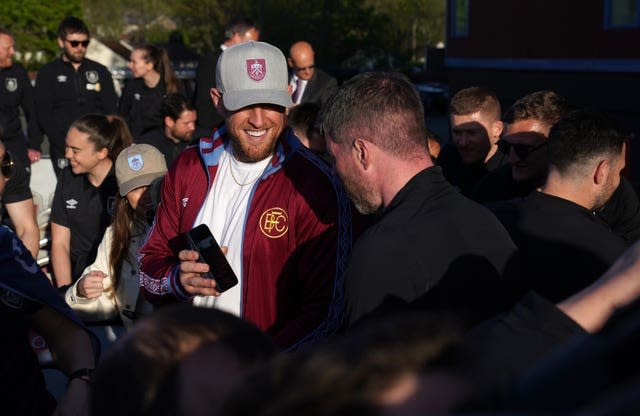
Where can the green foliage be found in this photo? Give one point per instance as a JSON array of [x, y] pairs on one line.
[[34, 24], [345, 33]]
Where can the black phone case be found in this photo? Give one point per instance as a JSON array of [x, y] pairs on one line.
[[202, 241]]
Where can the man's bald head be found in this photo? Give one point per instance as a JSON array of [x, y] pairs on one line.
[[302, 59]]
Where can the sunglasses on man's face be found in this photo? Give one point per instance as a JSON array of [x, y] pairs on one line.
[[522, 150], [6, 166], [76, 43]]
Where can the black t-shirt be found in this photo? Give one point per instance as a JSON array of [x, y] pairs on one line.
[[17, 188], [87, 211]]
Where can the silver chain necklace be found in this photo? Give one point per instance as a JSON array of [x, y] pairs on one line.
[[237, 181]]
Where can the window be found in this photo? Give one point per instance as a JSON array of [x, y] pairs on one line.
[[621, 13], [459, 17]]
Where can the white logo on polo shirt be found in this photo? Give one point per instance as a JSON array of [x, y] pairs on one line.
[[71, 203], [136, 97], [11, 84], [62, 78]]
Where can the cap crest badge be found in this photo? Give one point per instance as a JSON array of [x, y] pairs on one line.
[[257, 69], [135, 162]]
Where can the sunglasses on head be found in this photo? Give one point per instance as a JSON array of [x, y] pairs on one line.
[[6, 166], [522, 150], [305, 68], [76, 43]]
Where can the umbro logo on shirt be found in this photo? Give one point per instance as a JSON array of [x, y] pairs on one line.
[[184, 202], [62, 78], [71, 203]]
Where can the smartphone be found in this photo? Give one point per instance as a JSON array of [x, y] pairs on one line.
[[202, 241]]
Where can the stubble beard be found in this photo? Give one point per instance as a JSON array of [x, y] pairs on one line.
[[362, 196], [248, 154]]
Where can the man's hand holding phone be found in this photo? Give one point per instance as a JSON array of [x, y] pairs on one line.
[[193, 275], [209, 253]]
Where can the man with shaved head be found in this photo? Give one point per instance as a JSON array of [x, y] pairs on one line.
[[309, 84]]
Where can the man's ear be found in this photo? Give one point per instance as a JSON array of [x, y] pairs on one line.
[[601, 172], [169, 122], [216, 98], [498, 127], [61, 43], [363, 153]]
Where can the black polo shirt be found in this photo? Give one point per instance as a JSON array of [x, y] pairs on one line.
[[16, 93], [87, 211], [140, 106], [64, 94]]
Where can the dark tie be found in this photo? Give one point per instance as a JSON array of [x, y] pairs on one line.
[[296, 93]]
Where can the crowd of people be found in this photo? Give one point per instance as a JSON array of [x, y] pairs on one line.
[[381, 270]]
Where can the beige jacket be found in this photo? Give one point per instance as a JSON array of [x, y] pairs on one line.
[[127, 295]]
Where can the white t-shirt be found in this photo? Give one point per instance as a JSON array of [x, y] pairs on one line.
[[224, 211]]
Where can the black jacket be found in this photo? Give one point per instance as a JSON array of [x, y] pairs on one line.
[[428, 236], [319, 88]]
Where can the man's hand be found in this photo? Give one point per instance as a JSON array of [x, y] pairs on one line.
[[34, 155], [91, 285], [192, 275]]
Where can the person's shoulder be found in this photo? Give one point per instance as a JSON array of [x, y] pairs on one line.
[[190, 159], [49, 67], [325, 77], [93, 65], [211, 56], [311, 166], [151, 136], [14, 70]]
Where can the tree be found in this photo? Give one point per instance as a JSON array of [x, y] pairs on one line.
[[34, 25]]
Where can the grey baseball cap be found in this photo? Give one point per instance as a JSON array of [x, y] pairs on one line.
[[252, 73]]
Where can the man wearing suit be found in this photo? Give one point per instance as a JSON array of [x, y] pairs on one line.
[[236, 31], [309, 84]]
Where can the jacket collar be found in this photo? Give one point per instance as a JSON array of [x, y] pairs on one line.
[[212, 147]]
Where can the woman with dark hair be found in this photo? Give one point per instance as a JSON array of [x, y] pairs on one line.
[[109, 287], [153, 79], [82, 205]]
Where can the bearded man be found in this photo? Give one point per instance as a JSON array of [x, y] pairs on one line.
[[282, 216]]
